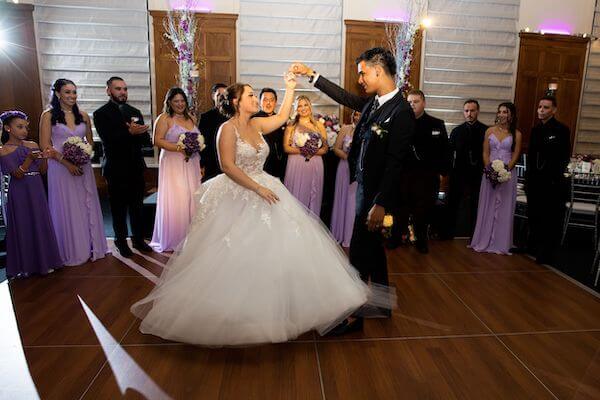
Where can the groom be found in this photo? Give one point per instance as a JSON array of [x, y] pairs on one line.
[[380, 148]]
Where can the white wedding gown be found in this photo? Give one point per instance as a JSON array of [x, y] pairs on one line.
[[249, 272]]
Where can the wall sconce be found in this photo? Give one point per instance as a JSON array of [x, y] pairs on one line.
[[552, 88]]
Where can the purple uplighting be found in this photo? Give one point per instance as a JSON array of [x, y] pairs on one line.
[[394, 15], [555, 26], [191, 5]]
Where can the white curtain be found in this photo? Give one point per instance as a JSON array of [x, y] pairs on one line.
[[88, 42], [588, 135], [470, 52], [273, 34]]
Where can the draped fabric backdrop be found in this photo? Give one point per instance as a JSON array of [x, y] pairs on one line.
[[470, 51], [588, 139], [90, 41]]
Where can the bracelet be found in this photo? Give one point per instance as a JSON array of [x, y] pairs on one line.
[[22, 170], [61, 157]]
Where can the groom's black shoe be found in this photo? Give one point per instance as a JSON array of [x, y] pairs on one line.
[[123, 248], [142, 246], [347, 327]]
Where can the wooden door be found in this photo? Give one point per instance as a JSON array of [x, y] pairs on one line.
[[545, 59], [19, 73], [215, 52]]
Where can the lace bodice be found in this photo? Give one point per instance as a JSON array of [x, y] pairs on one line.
[[248, 158]]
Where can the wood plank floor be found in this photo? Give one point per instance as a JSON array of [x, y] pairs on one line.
[[467, 326]]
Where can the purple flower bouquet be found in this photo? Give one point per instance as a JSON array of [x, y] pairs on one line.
[[76, 151], [308, 143], [191, 142]]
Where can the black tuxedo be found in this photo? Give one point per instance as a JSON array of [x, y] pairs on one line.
[[377, 168], [546, 187], [421, 179], [123, 166], [209, 125], [466, 148], [277, 159]]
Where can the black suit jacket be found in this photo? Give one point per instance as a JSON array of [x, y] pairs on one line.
[[123, 155], [386, 155], [209, 125], [549, 152], [466, 149], [430, 148], [275, 163]]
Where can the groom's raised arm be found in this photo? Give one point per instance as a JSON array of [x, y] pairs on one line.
[[340, 95]]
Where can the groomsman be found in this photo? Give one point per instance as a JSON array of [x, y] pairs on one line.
[[380, 149], [421, 179], [545, 184], [466, 150], [208, 125], [277, 159], [123, 133]]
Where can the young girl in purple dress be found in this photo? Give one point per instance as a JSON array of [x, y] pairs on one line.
[[31, 246]]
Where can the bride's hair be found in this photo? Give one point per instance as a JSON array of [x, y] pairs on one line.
[[297, 117], [225, 100]]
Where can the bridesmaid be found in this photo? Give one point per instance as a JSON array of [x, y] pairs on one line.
[[342, 218], [72, 193], [178, 180], [31, 246], [304, 179], [495, 215]]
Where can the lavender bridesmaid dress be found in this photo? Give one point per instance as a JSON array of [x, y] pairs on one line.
[[178, 180], [31, 246], [344, 203], [304, 179], [495, 214], [74, 205]]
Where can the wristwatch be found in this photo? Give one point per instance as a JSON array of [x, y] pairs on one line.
[[312, 77]]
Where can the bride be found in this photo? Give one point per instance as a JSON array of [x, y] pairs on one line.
[[256, 266]]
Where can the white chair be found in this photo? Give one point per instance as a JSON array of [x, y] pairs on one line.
[[583, 207]]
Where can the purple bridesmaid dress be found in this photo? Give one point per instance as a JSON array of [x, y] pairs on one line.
[[178, 180], [304, 179], [74, 205], [495, 214], [31, 246], [344, 203]]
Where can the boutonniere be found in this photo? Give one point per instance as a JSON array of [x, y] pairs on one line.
[[378, 130]]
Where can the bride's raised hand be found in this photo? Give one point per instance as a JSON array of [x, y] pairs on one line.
[[299, 69], [290, 80]]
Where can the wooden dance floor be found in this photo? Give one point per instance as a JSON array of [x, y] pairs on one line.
[[467, 326]]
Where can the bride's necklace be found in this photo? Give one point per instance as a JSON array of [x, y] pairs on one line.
[[67, 111]]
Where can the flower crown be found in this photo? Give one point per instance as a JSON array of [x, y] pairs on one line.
[[12, 114]]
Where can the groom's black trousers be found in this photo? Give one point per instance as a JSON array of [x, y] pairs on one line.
[[367, 253]]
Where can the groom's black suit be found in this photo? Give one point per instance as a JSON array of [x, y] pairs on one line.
[[377, 169]]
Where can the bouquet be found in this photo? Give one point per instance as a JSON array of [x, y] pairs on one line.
[[497, 173], [308, 143], [191, 143], [332, 126], [77, 151]]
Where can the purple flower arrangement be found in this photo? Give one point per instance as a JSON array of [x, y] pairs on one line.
[[77, 151], [308, 143], [192, 143]]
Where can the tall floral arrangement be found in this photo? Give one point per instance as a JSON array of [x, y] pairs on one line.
[[401, 40], [181, 28]]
